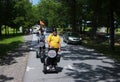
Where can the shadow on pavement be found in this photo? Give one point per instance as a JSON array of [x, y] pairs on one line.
[[10, 57], [59, 69], [4, 78], [91, 66]]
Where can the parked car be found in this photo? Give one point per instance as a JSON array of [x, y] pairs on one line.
[[48, 31], [36, 29], [72, 37]]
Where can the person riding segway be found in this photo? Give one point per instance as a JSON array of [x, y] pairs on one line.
[[54, 47]]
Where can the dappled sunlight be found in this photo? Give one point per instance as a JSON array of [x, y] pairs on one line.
[[11, 55], [86, 73], [89, 66], [83, 48], [78, 53]]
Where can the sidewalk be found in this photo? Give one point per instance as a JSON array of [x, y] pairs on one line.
[[13, 66]]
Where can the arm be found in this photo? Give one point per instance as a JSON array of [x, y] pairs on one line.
[[59, 45], [48, 40], [48, 44]]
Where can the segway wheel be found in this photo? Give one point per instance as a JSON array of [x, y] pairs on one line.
[[37, 54], [44, 69]]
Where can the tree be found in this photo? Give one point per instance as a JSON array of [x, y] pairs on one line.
[[50, 12], [16, 13], [24, 16], [5, 15]]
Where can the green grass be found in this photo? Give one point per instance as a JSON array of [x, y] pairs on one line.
[[9, 42]]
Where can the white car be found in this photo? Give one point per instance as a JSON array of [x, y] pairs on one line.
[[72, 37]]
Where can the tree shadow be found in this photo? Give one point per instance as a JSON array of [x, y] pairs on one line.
[[80, 53], [4, 78], [9, 56], [59, 69], [10, 36], [85, 73], [91, 66]]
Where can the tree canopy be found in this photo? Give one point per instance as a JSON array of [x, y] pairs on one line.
[[16, 13], [62, 13]]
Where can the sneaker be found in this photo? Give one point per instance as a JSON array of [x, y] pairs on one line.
[[53, 68], [48, 68]]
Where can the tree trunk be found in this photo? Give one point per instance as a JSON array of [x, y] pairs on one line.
[[80, 29], [95, 17], [84, 26], [15, 31], [5, 30], [8, 30], [73, 14], [0, 30], [112, 28], [94, 28], [107, 30]]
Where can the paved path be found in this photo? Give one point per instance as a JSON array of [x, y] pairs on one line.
[[78, 64]]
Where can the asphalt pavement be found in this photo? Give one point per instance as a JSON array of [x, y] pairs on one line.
[[77, 64]]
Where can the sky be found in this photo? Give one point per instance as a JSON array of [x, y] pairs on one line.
[[35, 2]]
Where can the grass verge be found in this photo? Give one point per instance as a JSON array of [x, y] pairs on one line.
[[9, 42]]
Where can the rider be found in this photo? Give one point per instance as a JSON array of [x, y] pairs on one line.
[[54, 40], [41, 33], [42, 38]]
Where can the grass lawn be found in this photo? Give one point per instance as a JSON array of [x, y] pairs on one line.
[[9, 42]]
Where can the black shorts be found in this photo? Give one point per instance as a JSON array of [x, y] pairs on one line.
[[43, 47]]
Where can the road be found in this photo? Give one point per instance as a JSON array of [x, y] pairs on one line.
[[78, 64]]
